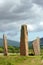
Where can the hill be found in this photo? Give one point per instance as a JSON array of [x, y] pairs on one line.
[[10, 43], [17, 44]]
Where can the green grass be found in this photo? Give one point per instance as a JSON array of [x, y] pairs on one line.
[[21, 60], [16, 59]]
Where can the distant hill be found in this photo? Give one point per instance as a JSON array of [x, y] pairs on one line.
[[17, 44], [10, 43], [41, 43]]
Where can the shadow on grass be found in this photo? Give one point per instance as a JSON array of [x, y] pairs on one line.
[[31, 54]]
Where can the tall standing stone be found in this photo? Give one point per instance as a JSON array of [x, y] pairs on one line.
[[24, 41], [36, 46], [5, 45]]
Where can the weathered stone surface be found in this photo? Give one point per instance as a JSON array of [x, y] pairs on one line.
[[36, 46], [24, 41], [5, 45]]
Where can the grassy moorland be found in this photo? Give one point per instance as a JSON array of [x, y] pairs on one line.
[[21, 60], [14, 58]]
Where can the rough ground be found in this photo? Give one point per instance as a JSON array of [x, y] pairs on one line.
[[21, 60]]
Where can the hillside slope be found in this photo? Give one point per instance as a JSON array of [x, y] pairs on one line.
[[17, 44]]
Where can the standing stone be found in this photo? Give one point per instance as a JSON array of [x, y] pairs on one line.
[[24, 41], [5, 45], [36, 46]]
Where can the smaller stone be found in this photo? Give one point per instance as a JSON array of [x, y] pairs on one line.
[[5, 45], [36, 46]]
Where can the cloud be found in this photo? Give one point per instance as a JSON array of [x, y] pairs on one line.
[[30, 27], [39, 2], [41, 23], [14, 13]]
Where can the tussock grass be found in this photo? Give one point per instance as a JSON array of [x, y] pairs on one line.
[[21, 60]]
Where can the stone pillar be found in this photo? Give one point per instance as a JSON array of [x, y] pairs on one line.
[[5, 45], [36, 46], [24, 41]]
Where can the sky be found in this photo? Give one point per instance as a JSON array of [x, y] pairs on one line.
[[14, 13]]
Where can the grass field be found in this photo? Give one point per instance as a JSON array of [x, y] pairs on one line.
[[21, 60], [16, 59]]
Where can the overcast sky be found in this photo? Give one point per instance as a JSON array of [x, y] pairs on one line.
[[14, 13]]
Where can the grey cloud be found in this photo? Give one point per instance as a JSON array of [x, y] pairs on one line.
[[17, 12], [39, 2], [24, 7], [22, 13], [12, 33]]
